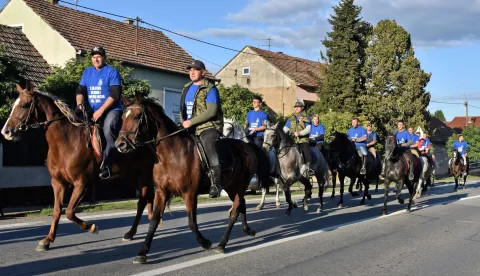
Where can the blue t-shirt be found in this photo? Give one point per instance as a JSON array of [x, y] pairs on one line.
[[461, 147], [317, 131], [212, 97], [296, 118], [402, 137], [414, 137], [427, 142], [255, 119], [98, 84], [358, 132]]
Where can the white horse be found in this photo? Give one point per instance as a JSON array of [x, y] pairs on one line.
[[233, 129]]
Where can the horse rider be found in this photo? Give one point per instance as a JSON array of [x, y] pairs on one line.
[[256, 122], [317, 135], [101, 87], [415, 137], [404, 141], [463, 148], [424, 147], [371, 140], [201, 113], [358, 134], [300, 126]]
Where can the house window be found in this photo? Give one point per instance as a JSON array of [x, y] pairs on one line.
[[171, 103], [246, 71]]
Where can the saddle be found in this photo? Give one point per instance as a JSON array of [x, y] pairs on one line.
[[226, 158]]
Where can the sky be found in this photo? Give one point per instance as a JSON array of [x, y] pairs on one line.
[[445, 33]]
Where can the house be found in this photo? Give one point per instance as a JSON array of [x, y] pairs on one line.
[[280, 78], [459, 122], [439, 134], [60, 33], [22, 164]]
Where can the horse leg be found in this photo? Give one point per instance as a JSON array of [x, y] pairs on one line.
[[350, 188], [288, 198], [464, 182], [399, 191], [243, 210], [365, 192], [158, 209], [59, 193], [142, 202], [79, 190], [334, 184], [456, 183], [279, 189], [376, 186], [321, 188], [341, 178], [418, 187], [308, 192], [231, 221], [411, 190], [385, 196], [262, 201]]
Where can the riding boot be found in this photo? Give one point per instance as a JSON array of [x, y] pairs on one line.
[[411, 176], [363, 170], [216, 187]]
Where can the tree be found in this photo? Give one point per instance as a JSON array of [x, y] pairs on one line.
[[395, 82], [345, 56], [472, 136], [439, 115], [237, 101], [10, 74], [64, 80]]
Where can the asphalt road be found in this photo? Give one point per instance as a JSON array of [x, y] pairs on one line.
[[440, 237]]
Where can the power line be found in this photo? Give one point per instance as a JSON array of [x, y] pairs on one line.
[[454, 104]]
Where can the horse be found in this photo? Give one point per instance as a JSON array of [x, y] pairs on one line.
[[426, 176], [232, 129], [180, 169], [344, 154], [288, 165], [457, 167], [397, 170], [70, 161]]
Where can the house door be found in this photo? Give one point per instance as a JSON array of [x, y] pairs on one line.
[[172, 104]]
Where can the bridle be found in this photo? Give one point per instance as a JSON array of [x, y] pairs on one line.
[[135, 143], [24, 126]]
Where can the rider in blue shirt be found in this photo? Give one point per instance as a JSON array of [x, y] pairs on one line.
[[463, 148], [358, 134], [415, 138], [317, 135], [256, 122], [101, 87], [404, 141]]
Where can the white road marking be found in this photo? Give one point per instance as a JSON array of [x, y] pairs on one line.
[[203, 260], [18, 225], [17, 101]]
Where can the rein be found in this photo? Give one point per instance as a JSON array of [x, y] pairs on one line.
[[24, 126]]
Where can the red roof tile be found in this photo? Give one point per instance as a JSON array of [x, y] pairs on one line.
[[458, 123], [300, 70], [154, 49], [18, 47]]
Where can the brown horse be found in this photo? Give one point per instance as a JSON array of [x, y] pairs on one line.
[[180, 170], [456, 168], [69, 160]]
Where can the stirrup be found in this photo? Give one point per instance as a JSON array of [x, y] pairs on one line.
[[215, 191], [363, 170]]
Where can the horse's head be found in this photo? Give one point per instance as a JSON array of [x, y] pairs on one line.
[[390, 146], [342, 149], [24, 111], [139, 125], [270, 138], [228, 128]]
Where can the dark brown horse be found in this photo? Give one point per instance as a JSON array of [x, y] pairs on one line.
[[180, 171], [69, 160], [396, 170], [457, 168]]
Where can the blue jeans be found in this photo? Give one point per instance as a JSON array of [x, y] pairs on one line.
[[362, 150], [111, 126]]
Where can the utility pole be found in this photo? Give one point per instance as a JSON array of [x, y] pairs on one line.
[[465, 102], [76, 4]]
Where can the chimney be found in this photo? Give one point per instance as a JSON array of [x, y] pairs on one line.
[[54, 2], [128, 21]]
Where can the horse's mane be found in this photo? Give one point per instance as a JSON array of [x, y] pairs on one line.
[[283, 136], [62, 106], [341, 140], [158, 113]]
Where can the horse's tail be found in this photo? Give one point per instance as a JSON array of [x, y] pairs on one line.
[[263, 167]]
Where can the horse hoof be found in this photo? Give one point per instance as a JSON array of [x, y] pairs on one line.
[[277, 204], [207, 245], [93, 229], [401, 201], [251, 232], [128, 237], [354, 194], [305, 208], [340, 205], [140, 260], [369, 197], [295, 205], [332, 196], [259, 207], [220, 249], [384, 212], [362, 202], [42, 247], [408, 210], [376, 190], [319, 210]]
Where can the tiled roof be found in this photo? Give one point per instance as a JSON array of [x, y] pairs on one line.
[[302, 71], [458, 123], [439, 131], [19, 48], [85, 30]]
